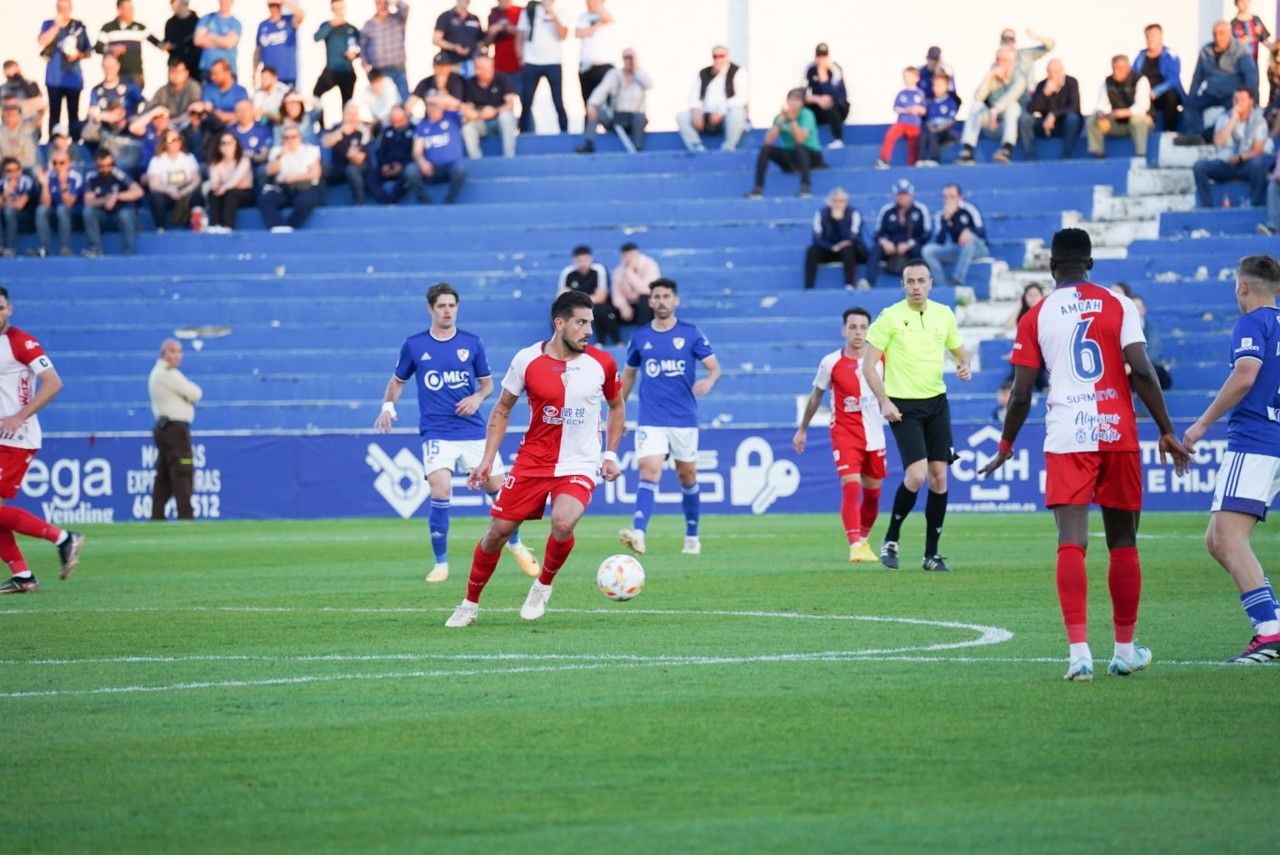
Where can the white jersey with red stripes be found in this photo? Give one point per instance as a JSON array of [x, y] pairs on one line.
[[854, 410], [565, 399], [21, 359], [1079, 332]]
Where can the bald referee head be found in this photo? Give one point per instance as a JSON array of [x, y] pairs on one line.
[[1070, 256]]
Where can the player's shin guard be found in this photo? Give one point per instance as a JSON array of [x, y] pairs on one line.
[[691, 501], [850, 513], [1073, 591], [514, 539], [25, 522], [935, 513], [870, 509], [645, 492], [482, 566], [1124, 578], [10, 554], [438, 523], [904, 502], [554, 558]]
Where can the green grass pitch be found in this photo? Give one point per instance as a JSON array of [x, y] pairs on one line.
[[290, 687]]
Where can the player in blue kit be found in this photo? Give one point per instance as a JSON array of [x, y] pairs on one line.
[[668, 351], [1249, 476], [454, 379]]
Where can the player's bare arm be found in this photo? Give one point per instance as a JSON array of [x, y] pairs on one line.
[[1015, 416], [50, 386], [961, 356], [499, 418], [1142, 377], [801, 437], [704, 386], [395, 388], [876, 384], [615, 425], [1233, 390], [470, 404], [628, 382]]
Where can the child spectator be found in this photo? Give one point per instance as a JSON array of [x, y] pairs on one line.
[[939, 120], [909, 104]]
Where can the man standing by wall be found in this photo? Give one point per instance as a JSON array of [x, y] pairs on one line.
[[173, 399]]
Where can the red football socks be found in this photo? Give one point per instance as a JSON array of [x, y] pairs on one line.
[[482, 566], [870, 509], [10, 553], [556, 554], [1124, 578], [849, 512], [25, 522], [1073, 591]]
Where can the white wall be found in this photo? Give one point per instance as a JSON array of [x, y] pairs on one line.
[[774, 39]]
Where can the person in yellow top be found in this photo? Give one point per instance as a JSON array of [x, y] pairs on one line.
[[913, 336], [173, 399]]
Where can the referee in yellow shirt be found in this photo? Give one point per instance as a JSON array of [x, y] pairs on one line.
[[913, 335]]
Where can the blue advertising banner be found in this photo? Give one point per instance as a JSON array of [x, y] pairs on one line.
[[108, 480]]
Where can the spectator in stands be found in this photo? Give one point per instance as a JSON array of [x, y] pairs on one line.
[[393, 171], [269, 96], [1272, 110], [222, 93], [16, 190], [122, 37], [909, 107], [1271, 225], [1163, 70], [825, 93], [501, 34], [438, 150], [203, 130], [180, 38], [380, 98], [443, 81], [1123, 109], [1026, 58], [178, 94], [458, 34], [218, 37], [110, 198], [1002, 402], [959, 237], [276, 45], [230, 185], [150, 127], [596, 52], [17, 135], [113, 104], [64, 42], [995, 108], [255, 138], [173, 179], [902, 227], [1054, 111], [61, 189], [1224, 66], [717, 104], [489, 107], [792, 143], [541, 35], [631, 280], [1032, 293], [382, 43], [933, 66], [1155, 348], [61, 143], [1248, 28], [26, 92], [341, 48], [294, 172], [294, 114], [837, 236], [939, 130], [589, 277], [619, 104], [1242, 154], [349, 145]]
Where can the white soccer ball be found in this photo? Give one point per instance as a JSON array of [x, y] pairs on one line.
[[620, 577]]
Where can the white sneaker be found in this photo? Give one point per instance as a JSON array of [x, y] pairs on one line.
[[439, 572], [835, 144], [633, 539], [535, 605], [524, 557], [692, 546], [281, 230], [463, 615]]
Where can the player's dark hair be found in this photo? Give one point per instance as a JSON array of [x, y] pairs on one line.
[[1149, 27], [441, 289], [581, 249], [568, 303], [915, 262], [664, 282], [856, 310], [1071, 245], [4, 292], [1261, 270]]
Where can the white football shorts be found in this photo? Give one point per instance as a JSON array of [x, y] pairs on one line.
[[456, 455], [680, 442], [1247, 483]]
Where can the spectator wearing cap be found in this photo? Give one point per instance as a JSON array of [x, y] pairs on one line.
[[825, 93], [61, 196], [1123, 108], [458, 34], [588, 276], [501, 34], [1163, 71], [221, 94], [16, 203], [349, 159], [837, 236], [438, 149], [269, 96], [294, 171], [17, 135], [902, 228], [909, 107], [792, 143], [933, 66], [110, 198], [112, 104], [382, 43], [959, 236], [1054, 111], [940, 128], [64, 43], [619, 103], [596, 51], [488, 107], [392, 173], [178, 94], [218, 37], [631, 280], [442, 81], [1243, 152], [173, 181], [122, 37], [276, 45], [996, 108], [717, 104], [341, 48], [540, 34], [1223, 66]]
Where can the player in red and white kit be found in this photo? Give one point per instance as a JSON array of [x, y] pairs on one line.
[[566, 380], [857, 432], [1085, 336], [28, 382]]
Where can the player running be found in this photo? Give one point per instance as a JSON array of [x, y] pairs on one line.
[[1249, 475], [857, 432], [1085, 335], [28, 382], [455, 381], [670, 351], [566, 380]]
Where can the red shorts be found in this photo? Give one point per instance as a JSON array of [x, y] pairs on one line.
[[852, 459], [524, 497], [1110, 479], [13, 468]]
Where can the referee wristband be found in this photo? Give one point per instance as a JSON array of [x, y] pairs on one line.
[[609, 456], [389, 407], [1005, 447]]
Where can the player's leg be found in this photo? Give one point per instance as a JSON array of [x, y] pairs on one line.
[[13, 468], [1119, 493], [937, 429], [472, 452], [569, 500], [684, 449], [912, 449], [850, 509], [873, 471], [438, 459], [651, 446], [1073, 585], [484, 560]]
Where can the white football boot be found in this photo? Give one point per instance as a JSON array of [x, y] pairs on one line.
[[463, 615], [535, 605]]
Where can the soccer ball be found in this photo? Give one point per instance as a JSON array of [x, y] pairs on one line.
[[620, 577]]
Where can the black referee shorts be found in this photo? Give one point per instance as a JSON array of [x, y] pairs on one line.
[[925, 430]]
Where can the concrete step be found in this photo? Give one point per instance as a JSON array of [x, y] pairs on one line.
[[1108, 207], [1113, 235], [992, 313], [1145, 181], [1170, 155]]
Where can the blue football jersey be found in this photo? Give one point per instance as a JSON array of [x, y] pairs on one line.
[[1254, 425], [278, 47], [668, 364], [447, 372]]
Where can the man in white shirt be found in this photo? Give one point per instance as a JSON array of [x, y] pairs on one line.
[[173, 399], [595, 55], [539, 37], [618, 103], [717, 103], [294, 172], [1124, 109]]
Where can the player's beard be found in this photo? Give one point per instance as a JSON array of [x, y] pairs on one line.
[[572, 347]]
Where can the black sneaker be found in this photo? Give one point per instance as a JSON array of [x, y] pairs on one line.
[[585, 148], [756, 193], [15, 585], [69, 552], [1262, 649], [966, 156], [889, 554], [935, 564], [806, 192], [1189, 139]]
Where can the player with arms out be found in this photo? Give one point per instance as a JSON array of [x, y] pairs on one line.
[[1249, 475], [567, 380], [454, 381], [857, 432], [669, 350], [28, 382], [1085, 336]]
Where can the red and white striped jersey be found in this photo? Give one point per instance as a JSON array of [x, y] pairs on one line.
[[21, 359], [854, 410], [565, 400], [1079, 333]]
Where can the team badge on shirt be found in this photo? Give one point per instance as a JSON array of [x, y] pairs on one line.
[[463, 353], [678, 342]]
